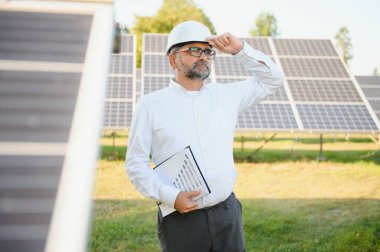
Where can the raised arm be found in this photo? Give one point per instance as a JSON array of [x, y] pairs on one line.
[[266, 77]]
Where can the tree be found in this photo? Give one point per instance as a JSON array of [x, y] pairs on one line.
[[375, 72], [119, 30], [266, 25], [171, 13], [344, 43]]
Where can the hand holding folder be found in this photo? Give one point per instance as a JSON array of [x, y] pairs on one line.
[[181, 171]]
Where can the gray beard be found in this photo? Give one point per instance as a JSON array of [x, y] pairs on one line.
[[198, 74]]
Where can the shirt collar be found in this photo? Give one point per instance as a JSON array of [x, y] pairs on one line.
[[181, 90]]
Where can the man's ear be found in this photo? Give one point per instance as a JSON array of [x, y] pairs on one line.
[[172, 62]]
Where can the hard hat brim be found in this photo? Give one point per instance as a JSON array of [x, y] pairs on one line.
[[185, 43]]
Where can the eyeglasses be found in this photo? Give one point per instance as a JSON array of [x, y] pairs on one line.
[[197, 52]]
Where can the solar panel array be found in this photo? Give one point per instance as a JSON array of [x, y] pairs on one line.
[[121, 88], [371, 88], [43, 62], [319, 94], [324, 95]]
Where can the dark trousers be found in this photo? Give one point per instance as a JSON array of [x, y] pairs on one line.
[[217, 228]]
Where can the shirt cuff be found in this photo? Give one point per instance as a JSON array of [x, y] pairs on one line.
[[168, 195]]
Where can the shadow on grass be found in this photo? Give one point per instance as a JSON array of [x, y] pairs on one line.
[[269, 224], [273, 155]]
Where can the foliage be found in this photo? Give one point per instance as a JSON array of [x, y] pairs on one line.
[[266, 25], [171, 13], [343, 40], [119, 29], [375, 72]]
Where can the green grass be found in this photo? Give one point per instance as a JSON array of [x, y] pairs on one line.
[[287, 206], [269, 224], [273, 155], [284, 147], [312, 225], [124, 225]]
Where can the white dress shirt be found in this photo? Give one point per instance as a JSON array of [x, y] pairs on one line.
[[168, 120]]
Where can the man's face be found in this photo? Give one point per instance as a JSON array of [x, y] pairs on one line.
[[194, 68]]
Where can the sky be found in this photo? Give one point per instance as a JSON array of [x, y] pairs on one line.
[[320, 19]]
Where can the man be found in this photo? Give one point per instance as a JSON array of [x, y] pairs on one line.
[[190, 112]]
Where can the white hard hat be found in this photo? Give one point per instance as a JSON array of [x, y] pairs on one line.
[[189, 31]]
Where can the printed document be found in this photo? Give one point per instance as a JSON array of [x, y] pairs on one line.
[[181, 171]]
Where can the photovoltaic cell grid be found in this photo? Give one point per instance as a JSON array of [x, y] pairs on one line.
[[38, 105], [305, 47], [342, 117], [324, 90], [121, 88], [155, 71], [325, 95], [371, 88], [314, 74], [266, 116], [138, 83]]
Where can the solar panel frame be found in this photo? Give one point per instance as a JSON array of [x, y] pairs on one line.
[[36, 169]]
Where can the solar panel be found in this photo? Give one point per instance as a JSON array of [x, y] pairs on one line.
[[155, 71], [156, 64], [336, 117], [324, 90], [268, 117], [52, 56], [122, 64], [127, 44], [315, 77], [118, 113], [325, 95], [368, 80], [226, 66], [121, 88], [261, 44], [154, 43], [371, 89], [375, 104], [138, 83], [155, 83], [304, 47], [315, 68]]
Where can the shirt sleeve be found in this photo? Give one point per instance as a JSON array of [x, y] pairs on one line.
[[265, 79], [137, 160]]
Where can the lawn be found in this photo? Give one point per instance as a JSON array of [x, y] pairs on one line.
[[288, 205]]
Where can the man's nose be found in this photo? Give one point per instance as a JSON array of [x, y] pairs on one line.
[[203, 56]]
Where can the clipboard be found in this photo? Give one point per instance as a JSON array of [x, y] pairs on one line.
[[181, 171]]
